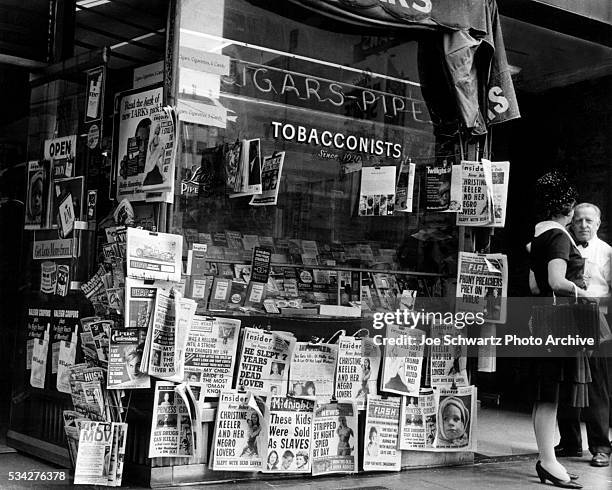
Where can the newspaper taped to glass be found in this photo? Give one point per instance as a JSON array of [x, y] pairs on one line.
[[418, 421], [335, 438], [289, 435], [312, 371], [154, 255], [238, 440], [171, 429], [482, 286], [264, 361], [448, 362], [381, 438], [357, 371], [210, 354], [456, 418], [401, 366]]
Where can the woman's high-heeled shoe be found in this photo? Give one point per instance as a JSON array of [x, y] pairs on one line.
[[545, 475]]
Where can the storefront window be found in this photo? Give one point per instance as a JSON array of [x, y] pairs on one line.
[[334, 98]]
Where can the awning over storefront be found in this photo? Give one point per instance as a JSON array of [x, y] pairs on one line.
[[471, 47]]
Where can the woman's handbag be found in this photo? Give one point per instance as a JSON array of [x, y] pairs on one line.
[[562, 320]]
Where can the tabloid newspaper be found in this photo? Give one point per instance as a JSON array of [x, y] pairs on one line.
[[418, 420], [381, 438], [500, 175], [401, 367], [288, 435], [154, 255], [456, 418], [238, 440], [125, 356], [271, 171], [101, 453], [210, 354], [477, 196], [264, 361], [171, 428], [335, 439], [312, 371], [357, 370], [448, 362], [482, 285], [159, 351]]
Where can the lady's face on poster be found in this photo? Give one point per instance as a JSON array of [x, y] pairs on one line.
[[167, 397], [254, 418], [366, 363], [452, 422], [273, 458], [373, 436], [299, 460], [193, 378]]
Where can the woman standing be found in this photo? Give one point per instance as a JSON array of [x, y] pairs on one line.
[[557, 269]]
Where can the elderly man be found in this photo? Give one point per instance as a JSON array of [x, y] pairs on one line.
[[586, 221]]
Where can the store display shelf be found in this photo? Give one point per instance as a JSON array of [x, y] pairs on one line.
[[338, 268]]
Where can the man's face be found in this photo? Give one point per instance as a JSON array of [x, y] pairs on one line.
[[585, 224], [287, 460]]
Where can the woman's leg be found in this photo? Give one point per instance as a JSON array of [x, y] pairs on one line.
[[544, 424]]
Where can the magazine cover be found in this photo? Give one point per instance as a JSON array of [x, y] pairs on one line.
[[335, 439], [211, 352], [401, 367], [264, 361], [38, 195], [418, 421], [171, 428], [381, 439], [482, 285], [357, 370], [288, 437], [238, 440], [311, 375], [125, 354], [456, 414]]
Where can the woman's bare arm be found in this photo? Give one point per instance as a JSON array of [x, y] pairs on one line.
[[557, 281]]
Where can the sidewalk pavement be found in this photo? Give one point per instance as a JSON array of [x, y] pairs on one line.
[[514, 472]]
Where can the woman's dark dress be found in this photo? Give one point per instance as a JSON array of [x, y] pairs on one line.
[[561, 380]]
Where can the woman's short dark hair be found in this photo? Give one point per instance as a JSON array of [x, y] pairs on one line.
[[555, 195]]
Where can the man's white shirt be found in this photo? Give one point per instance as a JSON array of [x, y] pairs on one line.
[[597, 257]]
